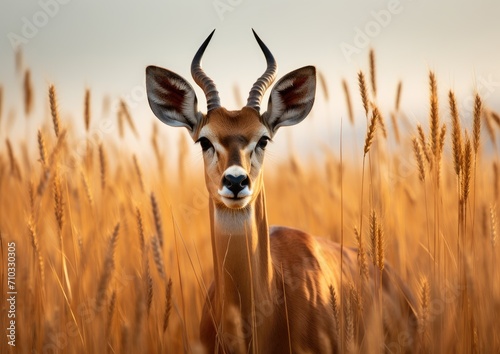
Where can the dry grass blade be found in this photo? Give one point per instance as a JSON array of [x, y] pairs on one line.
[[363, 91], [476, 132], [348, 101], [456, 135], [53, 110]]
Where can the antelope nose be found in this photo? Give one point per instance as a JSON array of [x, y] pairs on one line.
[[235, 183]]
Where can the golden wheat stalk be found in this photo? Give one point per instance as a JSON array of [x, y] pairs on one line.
[[168, 305], [53, 110], [157, 256], [380, 248], [348, 101], [157, 218], [58, 201], [31, 193], [489, 126], [373, 73], [496, 180], [493, 227], [371, 130], [86, 187], [111, 311], [36, 249], [41, 148], [373, 237], [395, 127], [496, 117], [14, 165], [398, 96], [476, 130], [128, 117], [324, 85], [86, 110], [138, 171], [363, 91], [442, 136], [456, 134], [102, 166], [336, 312], [109, 265], [434, 115], [149, 287], [362, 262], [423, 314], [28, 92], [467, 168], [424, 145], [140, 229], [417, 150]]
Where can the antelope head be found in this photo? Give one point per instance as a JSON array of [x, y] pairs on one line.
[[233, 142]]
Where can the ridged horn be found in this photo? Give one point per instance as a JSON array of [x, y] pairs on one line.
[[202, 80], [260, 86]]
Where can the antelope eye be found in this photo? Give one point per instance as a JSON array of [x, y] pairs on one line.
[[205, 143], [263, 142]]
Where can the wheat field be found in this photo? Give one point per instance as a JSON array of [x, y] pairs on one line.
[[113, 251]]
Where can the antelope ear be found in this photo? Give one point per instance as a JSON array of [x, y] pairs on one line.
[[171, 98], [291, 98]]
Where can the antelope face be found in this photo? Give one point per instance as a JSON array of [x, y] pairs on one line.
[[233, 145], [233, 142]]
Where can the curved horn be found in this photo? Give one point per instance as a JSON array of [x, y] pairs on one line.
[[260, 86], [199, 76]]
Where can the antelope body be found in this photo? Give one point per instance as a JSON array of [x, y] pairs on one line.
[[272, 289]]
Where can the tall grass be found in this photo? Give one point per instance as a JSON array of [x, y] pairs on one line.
[[115, 255]]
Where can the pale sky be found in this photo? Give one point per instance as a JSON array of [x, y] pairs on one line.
[[106, 45]]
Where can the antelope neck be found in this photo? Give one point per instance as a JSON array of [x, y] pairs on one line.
[[241, 252]]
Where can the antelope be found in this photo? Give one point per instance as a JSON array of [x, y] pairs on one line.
[[272, 288]]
